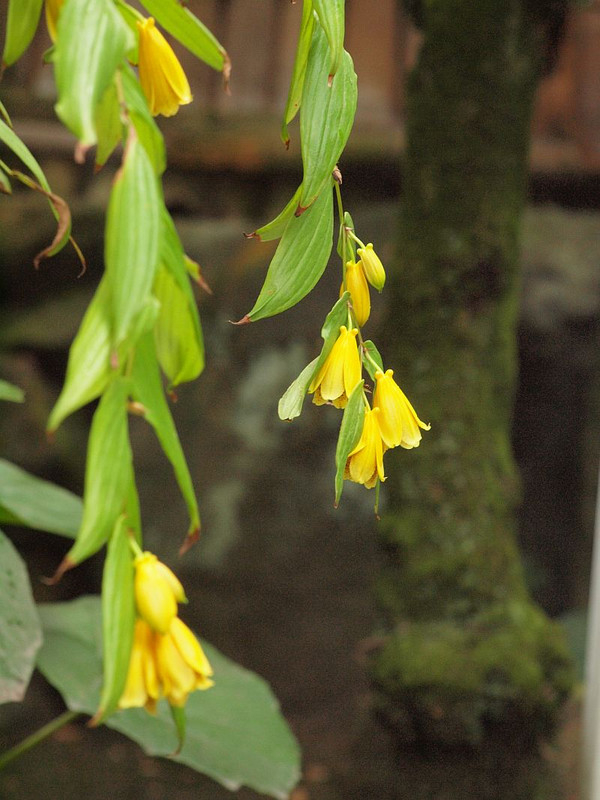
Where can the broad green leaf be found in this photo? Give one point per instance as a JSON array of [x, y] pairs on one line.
[[108, 468], [187, 29], [276, 228], [350, 430], [147, 390], [331, 17], [294, 98], [146, 128], [132, 237], [108, 124], [88, 367], [35, 503], [235, 731], [299, 261], [92, 41], [179, 351], [290, 405], [20, 632], [21, 23], [326, 116], [10, 392], [376, 356], [118, 618]]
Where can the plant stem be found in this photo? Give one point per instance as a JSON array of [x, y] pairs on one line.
[[37, 737]]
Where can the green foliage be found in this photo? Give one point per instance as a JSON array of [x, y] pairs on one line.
[[350, 430], [235, 732], [294, 98], [332, 18], [21, 23], [11, 393]]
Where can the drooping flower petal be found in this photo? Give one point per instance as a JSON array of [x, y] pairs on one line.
[[339, 373], [356, 284], [398, 420], [372, 266], [182, 665], [157, 592], [162, 77], [142, 687], [365, 462]]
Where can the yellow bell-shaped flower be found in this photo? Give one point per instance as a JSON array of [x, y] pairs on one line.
[[339, 373], [182, 665], [142, 688], [162, 77], [356, 284], [157, 592], [372, 266], [398, 421], [365, 462], [52, 8]]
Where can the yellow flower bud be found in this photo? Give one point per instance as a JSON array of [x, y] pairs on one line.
[[372, 266], [142, 687], [398, 420], [339, 373], [365, 462], [182, 665], [157, 592], [52, 8], [356, 284], [162, 77]]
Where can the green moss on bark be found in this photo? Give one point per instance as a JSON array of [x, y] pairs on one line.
[[466, 646]]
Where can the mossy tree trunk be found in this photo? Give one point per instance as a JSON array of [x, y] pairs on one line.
[[467, 651]]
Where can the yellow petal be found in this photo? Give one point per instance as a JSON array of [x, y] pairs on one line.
[[161, 75], [356, 284], [340, 371], [374, 271], [365, 462], [52, 8], [398, 420], [154, 596], [190, 648]]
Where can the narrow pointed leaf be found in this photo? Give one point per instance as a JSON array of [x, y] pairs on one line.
[[350, 430], [147, 389], [350, 253], [276, 228], [146, 128], [118, 618], [12, 141], [235, 731], [294, 98], [108, 467], [10, 392], [326, 117], [187, 29], [331, 17], [132, 237], [21, 23], [35, 503], [375, 355], [108, 124], [20, 631], [92, 41], [299, 261], [5, 186]]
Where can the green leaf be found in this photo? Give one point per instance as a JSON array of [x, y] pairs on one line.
[[290, 405], [34, 503], [331, 17], [350, 430], [21, 23], [187, 29], [276, 228], [294, 98], [118, 618], [88, 367], [92, 41], [108, 468], [133, 230], [5, 185], [326, 117], [376, 356], [147, 390], [235, 731], [12, 141], [146, 128], [299, 261], [20, 631], [108, 124], [10, 392], [350, 253]]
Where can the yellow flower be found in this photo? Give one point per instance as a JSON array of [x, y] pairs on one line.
[[157, 592], [356, 284], [182, 665], [372, 266], [142, 687], [161, 75], [52, 11], [365, 462], [340, 372], [398, 420]]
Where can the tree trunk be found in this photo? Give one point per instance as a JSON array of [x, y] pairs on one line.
[[467, 654]]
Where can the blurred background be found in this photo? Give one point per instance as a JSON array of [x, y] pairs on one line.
[[280, 581]]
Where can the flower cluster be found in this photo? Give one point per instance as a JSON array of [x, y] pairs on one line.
[[166, 658], [390, 420]]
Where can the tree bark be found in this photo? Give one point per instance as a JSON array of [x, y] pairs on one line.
[[466, 652]]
